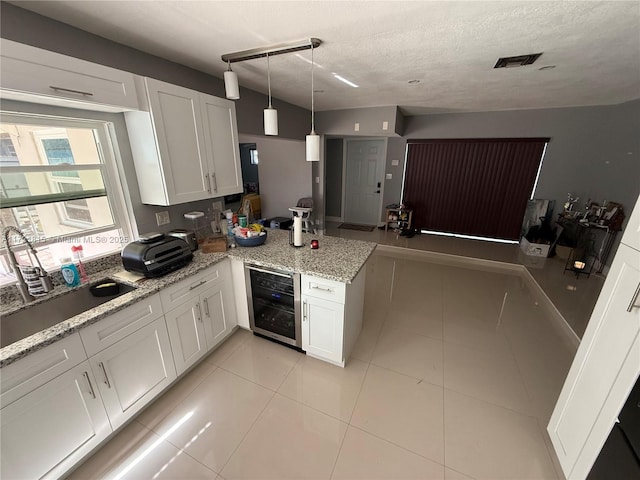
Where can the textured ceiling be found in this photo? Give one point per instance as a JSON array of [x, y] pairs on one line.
[[450, 47]]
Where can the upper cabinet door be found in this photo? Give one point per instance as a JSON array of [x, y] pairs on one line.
[[41, 76], [176, 114], [221, 137]]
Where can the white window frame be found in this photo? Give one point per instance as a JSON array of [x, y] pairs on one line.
[[106, 144]]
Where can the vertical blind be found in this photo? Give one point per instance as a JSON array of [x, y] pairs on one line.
[[474, 187]]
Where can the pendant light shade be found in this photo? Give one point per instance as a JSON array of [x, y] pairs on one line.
[[270, 121], [313, 147], [231, 88], [270, 113], [313, 140]]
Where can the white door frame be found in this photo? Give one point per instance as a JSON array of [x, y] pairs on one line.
[[345, 140]]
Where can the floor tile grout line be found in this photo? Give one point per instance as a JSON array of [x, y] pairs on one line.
[[511, 410], [248, 431], [397, 445], [181, 449]]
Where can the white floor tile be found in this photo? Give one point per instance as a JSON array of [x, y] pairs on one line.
[[364, 456], [216, 416], [230, 345], [289, 441], [490, 442], [262, 361], [325, 387], [403, 411], [405, 352], [490, 377]]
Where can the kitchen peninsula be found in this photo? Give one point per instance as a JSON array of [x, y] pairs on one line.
[[337, 259], [97, 370]]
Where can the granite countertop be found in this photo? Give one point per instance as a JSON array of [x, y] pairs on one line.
[[337, 259]]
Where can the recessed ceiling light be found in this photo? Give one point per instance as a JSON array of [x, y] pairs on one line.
[[413, 82], [344, 80], [547, 67]]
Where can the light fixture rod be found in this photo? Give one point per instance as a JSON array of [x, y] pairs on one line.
[[272, 50]]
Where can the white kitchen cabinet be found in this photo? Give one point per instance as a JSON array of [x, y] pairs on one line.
[[605, 367], [219, 309], [186, 333], [322, 329], [131, 372], [221, 141], [40, 76], [185, 147], [53, 427], [204, 317], [331, 317]]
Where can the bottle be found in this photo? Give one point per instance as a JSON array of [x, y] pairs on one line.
[[70, 273], [77, 251]]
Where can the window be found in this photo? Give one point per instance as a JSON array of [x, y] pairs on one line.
[[59, 185]]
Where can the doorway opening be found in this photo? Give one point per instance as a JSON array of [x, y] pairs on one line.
[[354, 180]]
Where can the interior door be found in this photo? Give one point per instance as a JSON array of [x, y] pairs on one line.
[[365, 168]]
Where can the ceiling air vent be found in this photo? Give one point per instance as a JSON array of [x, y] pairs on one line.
[[517, 61]]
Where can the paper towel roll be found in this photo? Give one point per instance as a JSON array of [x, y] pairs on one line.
[[297, 231]]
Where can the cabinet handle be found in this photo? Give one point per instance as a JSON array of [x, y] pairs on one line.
[[632, 304], [91, 391], [193, 287], [206, 177], [198, 312], [316, 287], [68, 90], [104, 371], [215, 182], [304, 311], [206, 307]]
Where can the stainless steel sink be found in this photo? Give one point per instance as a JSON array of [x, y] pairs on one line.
[[33, 319]]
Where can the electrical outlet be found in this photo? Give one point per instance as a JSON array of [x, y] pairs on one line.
[[217, 206], [356, 127], [162, 218], [317, 179], [385, 125], [395, 163], [388, 176]]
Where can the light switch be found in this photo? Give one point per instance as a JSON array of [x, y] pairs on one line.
[[395, 163], [385, 125], [388, 176], [356, 127]]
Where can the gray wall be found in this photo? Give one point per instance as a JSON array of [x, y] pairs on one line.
[[594, 151], [370, 120], [29, 28], [334, 164], [285, 175]]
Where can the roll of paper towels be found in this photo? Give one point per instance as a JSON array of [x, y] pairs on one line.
[[297, 231]]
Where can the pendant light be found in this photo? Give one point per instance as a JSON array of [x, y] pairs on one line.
[[270, 113], [313, 139], [231, 88]]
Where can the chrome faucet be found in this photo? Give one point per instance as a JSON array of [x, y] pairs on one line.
[[45, 280]]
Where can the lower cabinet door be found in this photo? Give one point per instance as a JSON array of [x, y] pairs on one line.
[[220, 313], [133, 371], [322, 329], [50, 429], [187, 334]]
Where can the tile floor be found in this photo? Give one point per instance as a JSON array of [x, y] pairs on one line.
[[573, 297], [448, 380]]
